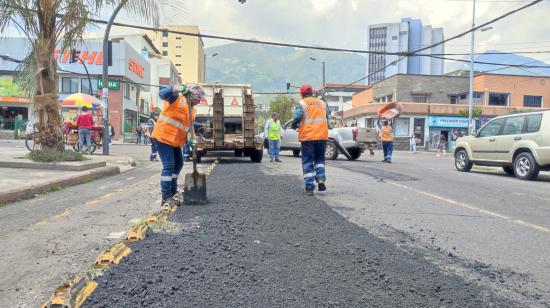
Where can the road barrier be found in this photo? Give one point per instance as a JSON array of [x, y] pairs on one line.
[[138, 233], [72, 293], [111, 256]]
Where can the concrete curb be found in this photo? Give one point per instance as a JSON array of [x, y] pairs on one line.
[[29, 192], [62, 166]]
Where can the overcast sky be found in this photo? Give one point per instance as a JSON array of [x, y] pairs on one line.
[[343, 23]]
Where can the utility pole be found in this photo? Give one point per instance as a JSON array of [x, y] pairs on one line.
[[106, 57], [471, 90]]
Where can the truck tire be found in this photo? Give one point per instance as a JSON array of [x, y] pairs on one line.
[[526, 167], [296, 153], [355, 153], [462, 161], [239, 153], [331, 151], [257, 156]]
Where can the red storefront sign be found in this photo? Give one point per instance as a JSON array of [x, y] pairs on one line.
[[135, 67], [91, 57]]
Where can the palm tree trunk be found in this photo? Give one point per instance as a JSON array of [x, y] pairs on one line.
[[45, 99]]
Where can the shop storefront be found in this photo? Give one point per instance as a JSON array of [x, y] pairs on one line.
[[450, 127]]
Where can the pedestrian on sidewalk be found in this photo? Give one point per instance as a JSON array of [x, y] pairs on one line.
[[150, 128], [442, 146], [139, 133], [311, 120], [386, 136], [111, 133], [412, 144], [146, 135], [273, 130], [84, 122], [170, 134]]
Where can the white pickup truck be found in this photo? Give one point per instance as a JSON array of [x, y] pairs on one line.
[[350, 141]]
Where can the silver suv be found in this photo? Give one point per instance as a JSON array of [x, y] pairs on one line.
[[519, 143]]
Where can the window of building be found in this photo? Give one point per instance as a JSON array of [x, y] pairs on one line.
[[498, 99], [454, 99], [164, 44], [533, 123], [333, 99], [492, 128], [420, 97], [178, 56], [69, 85], [179, 46], [401, 127], [532, 101], [164, 33], [165, 53], [514, 125], [178, 37], [127, 90], [85, 85], [178, 64], [394, 37]]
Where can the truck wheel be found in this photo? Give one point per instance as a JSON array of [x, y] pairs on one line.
[[238, 153], [526, 167], [257, 156], [331, 152], [296, 153], [355, 153]]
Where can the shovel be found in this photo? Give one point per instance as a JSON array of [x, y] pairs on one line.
[[195, 183]]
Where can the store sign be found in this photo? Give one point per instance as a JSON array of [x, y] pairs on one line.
[[113, 84], [135, 67], [436, 121], [87, 56]]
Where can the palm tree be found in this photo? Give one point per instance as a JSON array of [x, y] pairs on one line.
[[56, 23]]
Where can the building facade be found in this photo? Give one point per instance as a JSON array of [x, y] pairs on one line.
[[338, 96], [186, 52], [438, 105], [405, 36]]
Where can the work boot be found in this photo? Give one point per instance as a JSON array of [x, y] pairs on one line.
[[271, 160], [322, 186], [278, 160], [384, 160], [309, 191], [178, 198]]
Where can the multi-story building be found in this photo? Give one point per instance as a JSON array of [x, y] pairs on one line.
[[186, 52], [438, 105], [338, 96], [405, 36]]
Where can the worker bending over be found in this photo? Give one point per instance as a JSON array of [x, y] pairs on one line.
[[171, 134]]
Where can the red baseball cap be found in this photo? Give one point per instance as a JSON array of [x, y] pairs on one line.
[[306, 89]]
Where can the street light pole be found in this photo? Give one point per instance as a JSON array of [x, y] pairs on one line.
[[471, 90], [106, 130], [324, 82]]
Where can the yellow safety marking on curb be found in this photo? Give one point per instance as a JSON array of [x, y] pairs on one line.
[[92, 202], [111, 256], [72, 293], [152, 218], [138, 233], [167, 210], [474, 208]]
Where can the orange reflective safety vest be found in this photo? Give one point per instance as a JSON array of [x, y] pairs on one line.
[[314, 125], [386, 133], [173, 123]]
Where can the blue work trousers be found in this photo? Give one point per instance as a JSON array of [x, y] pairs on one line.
[[387, 146], [274, 147], [154, 150], [172, 162], [313, 162], [186, 150]]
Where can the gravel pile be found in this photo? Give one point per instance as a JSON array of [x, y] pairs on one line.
[[262, 243]]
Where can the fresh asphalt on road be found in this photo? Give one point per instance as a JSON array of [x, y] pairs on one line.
[[411, 233], [46, 239]]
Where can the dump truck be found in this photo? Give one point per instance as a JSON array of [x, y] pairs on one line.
[[227, 116]]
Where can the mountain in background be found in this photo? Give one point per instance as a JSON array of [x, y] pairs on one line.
[[269, 68], [502, 58]]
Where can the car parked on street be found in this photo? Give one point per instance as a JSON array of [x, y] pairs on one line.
[[519, 143]]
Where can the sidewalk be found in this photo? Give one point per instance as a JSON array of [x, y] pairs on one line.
[[22, 178]]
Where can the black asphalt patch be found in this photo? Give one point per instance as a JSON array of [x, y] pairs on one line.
[[262, 243], [378, 173]]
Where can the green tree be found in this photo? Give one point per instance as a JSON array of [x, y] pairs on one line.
[[50, 24], [476, 112], [284, 105]]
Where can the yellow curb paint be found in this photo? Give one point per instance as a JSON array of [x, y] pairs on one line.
[[65, 214], [474, 208], [92, 202]]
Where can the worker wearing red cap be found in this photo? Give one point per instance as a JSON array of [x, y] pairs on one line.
[[311, 120]]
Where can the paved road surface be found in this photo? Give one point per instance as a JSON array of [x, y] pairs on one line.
[[480, 235], [46, 239]]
